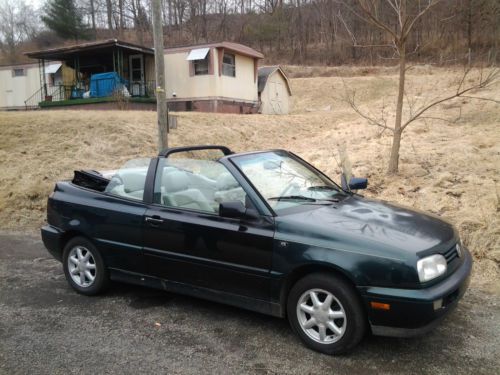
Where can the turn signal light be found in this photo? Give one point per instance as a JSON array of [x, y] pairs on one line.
[[380, 306]]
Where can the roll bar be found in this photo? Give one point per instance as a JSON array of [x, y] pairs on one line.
[[168, 151]]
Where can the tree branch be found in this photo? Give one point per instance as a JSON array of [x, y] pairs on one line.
[[368, 16], [431, 3], [349, 98], [480, 98], [482, 84]]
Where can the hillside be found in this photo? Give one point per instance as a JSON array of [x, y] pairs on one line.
[[450, 169], [286, 31]]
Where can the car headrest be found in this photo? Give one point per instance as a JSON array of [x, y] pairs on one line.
[[225, 182], [133, 180], [175, 181]]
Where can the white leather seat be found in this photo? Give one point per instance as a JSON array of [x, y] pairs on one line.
[[177, 193], [130, 183], [228, 189]]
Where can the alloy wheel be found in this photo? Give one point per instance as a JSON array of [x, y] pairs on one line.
[[321, 316], [81, 266]]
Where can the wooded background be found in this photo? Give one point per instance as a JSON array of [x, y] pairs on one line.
[[305, 32]]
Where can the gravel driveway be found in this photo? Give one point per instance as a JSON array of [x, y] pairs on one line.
[[46, 328]]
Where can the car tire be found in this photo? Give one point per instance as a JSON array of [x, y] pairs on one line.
[[326, 312], [84, 267]]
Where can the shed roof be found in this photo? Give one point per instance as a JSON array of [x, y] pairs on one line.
[[265, 72], [62, 53], [52, 68], [229, 46]]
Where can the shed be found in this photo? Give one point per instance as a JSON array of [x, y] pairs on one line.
[[274, 91]]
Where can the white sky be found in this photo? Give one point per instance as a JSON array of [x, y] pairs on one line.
[[35, 3]]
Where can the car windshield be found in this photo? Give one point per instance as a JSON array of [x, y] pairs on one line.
[[284, 181]]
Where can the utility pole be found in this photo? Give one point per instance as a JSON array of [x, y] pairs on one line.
[[161, 96]]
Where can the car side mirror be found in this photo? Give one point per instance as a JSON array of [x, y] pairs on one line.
[[357, 183], [236, 210]]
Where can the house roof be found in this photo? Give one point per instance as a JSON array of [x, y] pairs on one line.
[[18, 65], [230, 46], [62, 53], [265, 72]]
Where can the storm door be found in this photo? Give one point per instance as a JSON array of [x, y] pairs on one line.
[[137, 84]]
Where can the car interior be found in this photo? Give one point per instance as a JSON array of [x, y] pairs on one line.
[[128, 183], [186, 189], [183, 188]]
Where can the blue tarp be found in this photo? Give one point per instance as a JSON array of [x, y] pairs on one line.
[[103, 84]]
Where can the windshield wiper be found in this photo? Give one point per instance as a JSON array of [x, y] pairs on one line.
[[292, 198], [323, 187], [301, 198]]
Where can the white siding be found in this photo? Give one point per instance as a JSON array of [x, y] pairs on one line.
[[15, 90], [242, 87]]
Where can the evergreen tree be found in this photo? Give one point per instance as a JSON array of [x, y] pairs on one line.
[[62, 17]]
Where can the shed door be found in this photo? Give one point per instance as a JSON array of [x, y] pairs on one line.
[[9, 98], [275, 95]]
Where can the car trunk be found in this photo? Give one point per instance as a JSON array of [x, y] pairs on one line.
[[90, 179]]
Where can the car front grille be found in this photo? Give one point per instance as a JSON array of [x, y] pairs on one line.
[[451, 254]]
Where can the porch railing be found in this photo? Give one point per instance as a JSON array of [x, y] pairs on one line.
[[102, 88]]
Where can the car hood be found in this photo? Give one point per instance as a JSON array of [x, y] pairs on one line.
[[361, 224]]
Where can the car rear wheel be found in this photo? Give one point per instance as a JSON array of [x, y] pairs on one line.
[[83, 267], [326, 313]]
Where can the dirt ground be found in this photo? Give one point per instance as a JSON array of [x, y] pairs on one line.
[[448, 168]]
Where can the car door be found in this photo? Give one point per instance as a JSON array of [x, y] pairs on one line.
[[186, 241], [116, 218]]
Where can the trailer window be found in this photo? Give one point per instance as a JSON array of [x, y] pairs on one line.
[[201, 66], [229, 65], [19, 72]]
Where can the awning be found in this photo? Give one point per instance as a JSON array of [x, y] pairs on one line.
[[198, 54], [53, 68]]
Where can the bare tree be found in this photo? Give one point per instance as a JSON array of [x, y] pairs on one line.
[[109, 14], [18, 22], [92, 16], [368, 10], [121, 14], [310, 32], [483, 80], [397, 24]]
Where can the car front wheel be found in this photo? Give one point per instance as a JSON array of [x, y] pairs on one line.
[[326, 313], [83, 267]]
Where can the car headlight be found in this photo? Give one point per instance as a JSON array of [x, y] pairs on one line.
[[431, 267]]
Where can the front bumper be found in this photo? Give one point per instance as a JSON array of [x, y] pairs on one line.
[[413, 312], [52, 239]]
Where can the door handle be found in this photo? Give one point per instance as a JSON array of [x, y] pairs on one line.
[[153, 220]]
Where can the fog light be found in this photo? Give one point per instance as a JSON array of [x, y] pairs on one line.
[[438, 304], [380, 306]]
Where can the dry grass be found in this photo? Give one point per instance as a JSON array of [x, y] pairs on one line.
[[448, 169]]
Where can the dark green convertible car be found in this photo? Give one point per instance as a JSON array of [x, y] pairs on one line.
[[264, 231]]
